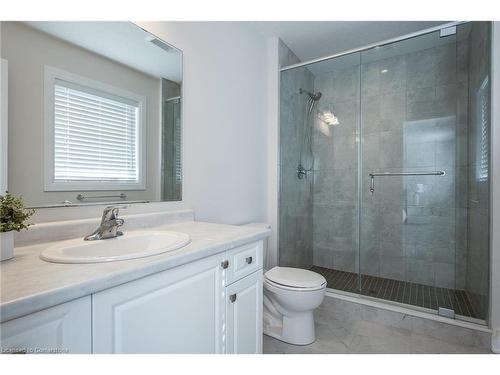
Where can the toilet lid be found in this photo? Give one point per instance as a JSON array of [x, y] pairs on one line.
[[295, 277]]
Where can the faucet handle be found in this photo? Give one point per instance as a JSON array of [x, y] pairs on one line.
[[111, 212]]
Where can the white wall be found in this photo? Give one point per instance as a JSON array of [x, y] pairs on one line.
[[225, 118]]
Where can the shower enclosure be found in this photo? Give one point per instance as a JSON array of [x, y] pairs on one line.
[[171, 171], [387, 196]]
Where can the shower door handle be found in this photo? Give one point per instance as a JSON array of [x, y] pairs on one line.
[[383, 174]]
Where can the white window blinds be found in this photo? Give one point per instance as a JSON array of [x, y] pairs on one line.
[[95, 135], [483, 124]]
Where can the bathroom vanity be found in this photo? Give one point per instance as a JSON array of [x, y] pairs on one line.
[[109, 133], [205, 297]]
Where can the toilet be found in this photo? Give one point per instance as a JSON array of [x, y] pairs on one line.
[[290, 297]]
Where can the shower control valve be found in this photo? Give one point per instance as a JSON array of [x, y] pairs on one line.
[[301, 172]]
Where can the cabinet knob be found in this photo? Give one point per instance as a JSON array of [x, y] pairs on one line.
[[225, 264], [249, 260], [232, 297]]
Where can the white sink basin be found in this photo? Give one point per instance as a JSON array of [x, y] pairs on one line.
[[133, 244]]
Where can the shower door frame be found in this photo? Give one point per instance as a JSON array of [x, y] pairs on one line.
[[373, 45]]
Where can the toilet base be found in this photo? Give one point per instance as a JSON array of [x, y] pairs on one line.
[[289, 303], [295, 330]]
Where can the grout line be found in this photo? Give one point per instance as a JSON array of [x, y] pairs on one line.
[[420, 295]]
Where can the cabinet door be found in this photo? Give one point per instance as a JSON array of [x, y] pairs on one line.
[[64, 328], [174, 311], [244, 315]]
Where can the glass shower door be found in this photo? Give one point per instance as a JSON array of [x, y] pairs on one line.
[[408, 192]]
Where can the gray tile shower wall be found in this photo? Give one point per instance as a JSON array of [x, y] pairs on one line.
[[295, 221], [335, 199], [409, 119], [477, 275]]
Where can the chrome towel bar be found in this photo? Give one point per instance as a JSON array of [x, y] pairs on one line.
[[382, 174], [81, 197]]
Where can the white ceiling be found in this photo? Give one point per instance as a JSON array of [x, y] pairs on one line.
[[119, 41], [311, 40], [126, 43]]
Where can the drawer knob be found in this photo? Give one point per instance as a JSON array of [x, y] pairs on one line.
[[225, 264], [232, 297], [249, 260]]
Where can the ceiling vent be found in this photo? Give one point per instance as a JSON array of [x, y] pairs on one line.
[[160, 43]]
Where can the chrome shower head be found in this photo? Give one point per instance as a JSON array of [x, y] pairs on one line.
[[313, 96]]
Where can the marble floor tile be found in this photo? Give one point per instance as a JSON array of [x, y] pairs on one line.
[[421, 344], [347, 327]]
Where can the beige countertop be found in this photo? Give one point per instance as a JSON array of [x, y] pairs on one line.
[[29, 284]]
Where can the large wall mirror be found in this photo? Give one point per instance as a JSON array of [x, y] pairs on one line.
[[91, 112]]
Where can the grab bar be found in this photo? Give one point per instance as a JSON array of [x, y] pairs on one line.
[[372, 176], [81, 197]]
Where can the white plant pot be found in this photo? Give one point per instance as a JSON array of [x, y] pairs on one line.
[[6, 245]]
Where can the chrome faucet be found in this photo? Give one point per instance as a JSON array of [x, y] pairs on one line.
[[109, 225]]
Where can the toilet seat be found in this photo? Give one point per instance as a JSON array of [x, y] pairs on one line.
[[269, 283], [294, 279]]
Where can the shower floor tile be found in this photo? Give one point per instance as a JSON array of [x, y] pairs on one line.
[[401, 291]]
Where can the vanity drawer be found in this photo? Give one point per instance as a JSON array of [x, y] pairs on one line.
[[243, 261]]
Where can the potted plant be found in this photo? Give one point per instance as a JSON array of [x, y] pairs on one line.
[[13, 216]]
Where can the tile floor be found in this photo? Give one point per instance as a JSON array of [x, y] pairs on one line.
[[347, 327], [401, 291]]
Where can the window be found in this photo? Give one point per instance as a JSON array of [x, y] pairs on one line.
[[93, 135], [483, 122]]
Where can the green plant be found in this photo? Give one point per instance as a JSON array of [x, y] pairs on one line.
[[13, 214]]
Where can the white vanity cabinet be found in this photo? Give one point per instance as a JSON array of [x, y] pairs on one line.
[[180, 310], [65, 328], [211, 305], [187, 309]]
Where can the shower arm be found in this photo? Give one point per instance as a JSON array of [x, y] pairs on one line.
[[383, 174]]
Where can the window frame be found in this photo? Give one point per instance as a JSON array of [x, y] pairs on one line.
[[51, 75]]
